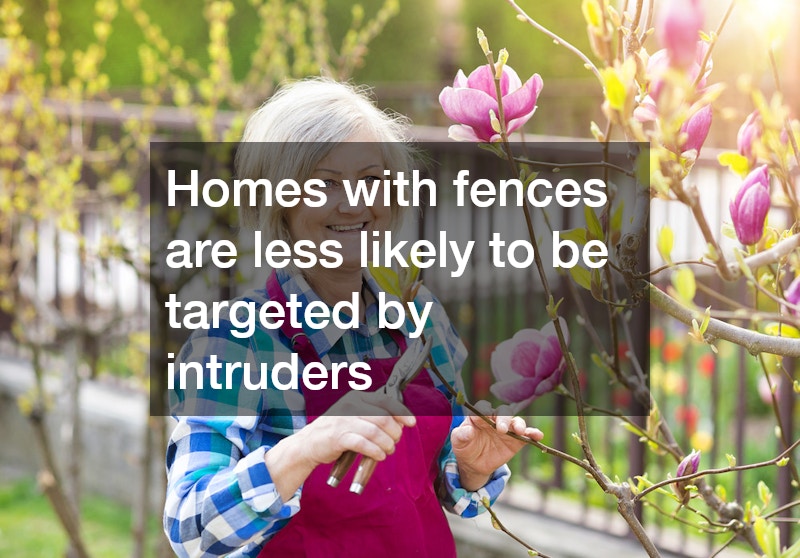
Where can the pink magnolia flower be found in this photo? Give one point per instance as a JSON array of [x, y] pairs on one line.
[[657, 66], [678, 29], [696, 129], [750, 206], [528, 365], [750, 131], [792, 295], [471, 99], [689, 465]]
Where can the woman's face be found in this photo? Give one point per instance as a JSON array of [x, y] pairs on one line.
[[359, 158]]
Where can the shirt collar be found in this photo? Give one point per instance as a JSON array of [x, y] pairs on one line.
[[324, 339]]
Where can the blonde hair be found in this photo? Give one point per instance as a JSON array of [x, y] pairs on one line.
[[297, 127]]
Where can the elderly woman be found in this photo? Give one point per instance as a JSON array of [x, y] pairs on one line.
[[256, 485]]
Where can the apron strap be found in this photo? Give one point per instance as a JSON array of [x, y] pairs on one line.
[[301, 344]]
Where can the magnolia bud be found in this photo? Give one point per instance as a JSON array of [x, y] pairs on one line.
[[750, 206]]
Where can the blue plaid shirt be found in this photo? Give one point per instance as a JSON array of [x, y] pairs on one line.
[[221, 499]]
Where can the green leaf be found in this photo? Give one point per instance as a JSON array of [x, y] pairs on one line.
[[706, 320], [764, 493], [578, 236], [581, 276], [596, 286], [684, 283], [593, 224], [666, 239]]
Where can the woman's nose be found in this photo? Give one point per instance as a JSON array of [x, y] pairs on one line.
[[345, 206]]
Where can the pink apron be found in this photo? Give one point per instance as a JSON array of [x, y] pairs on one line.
[[399, 514]]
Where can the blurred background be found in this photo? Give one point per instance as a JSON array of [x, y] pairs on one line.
[[87, 85]]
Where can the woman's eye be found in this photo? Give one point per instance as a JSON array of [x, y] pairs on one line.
[[370, 179], [332, 184]]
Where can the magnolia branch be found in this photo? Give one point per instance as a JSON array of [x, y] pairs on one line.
[[753, 341], [523, 16], [707, 472], [766, 257], [499, 525]]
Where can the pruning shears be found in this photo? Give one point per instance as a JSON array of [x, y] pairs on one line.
[[403, 373]]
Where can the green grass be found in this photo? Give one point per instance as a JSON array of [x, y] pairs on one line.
[[29, 527]]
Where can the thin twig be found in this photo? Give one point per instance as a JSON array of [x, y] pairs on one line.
[[658, 270], [558, 40], [782, 509], [591, 164], [707, 472], [717, 33], [499, 524]]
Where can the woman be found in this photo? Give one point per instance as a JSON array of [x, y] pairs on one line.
[[256, 485]]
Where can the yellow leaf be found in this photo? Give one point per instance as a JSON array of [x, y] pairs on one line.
[[782, 330], [614, 87], [734, 161], [666, 239], [387, 279], [592, 13], [684, 283]]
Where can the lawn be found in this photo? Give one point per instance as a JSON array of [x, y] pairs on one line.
[[29, 528]]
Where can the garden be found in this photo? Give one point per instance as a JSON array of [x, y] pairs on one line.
[[664, 380]]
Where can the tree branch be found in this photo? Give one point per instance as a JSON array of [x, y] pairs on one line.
[[753, 341]]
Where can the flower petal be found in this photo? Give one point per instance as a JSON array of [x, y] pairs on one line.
[[646, 111], [751, 211], [515, 391], [470, 107], [482, 79], [550, 357], [525, 358], [460, 132], [512, 125], [461, 79], [523, 100]]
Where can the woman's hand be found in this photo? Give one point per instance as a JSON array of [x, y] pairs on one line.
[[481, 449], [369, 423]]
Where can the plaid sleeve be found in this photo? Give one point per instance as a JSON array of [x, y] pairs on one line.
[[220, 496], [449, 353], [221, 499], [457, 499]]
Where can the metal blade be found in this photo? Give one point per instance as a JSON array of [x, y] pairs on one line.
[[409, 364]]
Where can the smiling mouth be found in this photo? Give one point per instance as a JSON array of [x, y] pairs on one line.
[[347, 228]]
